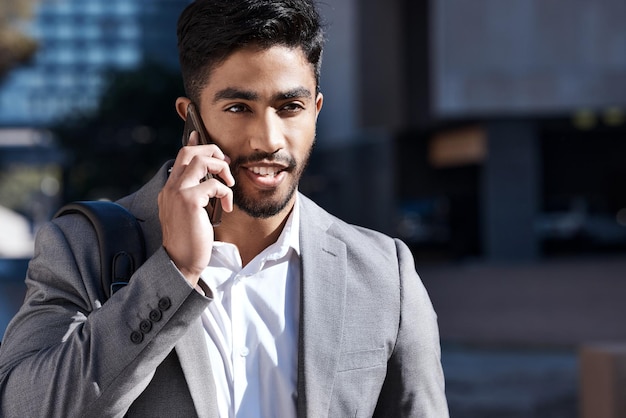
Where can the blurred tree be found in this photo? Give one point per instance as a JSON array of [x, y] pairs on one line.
[[135, 129], [15, 47]]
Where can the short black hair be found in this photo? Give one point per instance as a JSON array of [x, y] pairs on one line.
[[210, 30]]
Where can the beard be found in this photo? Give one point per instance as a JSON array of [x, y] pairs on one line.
[[267, 203], [265, 206]]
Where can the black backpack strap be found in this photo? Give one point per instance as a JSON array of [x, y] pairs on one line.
[[120, 240]]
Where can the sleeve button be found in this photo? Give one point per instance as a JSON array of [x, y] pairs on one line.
[[155, 315], [136, 337], [165, 303], [145, 326]]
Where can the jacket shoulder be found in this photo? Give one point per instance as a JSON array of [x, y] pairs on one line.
[[358, 239]]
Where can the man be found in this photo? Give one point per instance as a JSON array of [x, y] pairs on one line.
[[281, 311]]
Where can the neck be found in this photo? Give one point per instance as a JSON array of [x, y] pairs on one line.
[[251, 235]]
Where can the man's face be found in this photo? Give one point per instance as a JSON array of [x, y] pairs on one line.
[[260, 107]]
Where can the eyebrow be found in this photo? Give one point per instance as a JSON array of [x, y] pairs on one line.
[[231, 93], [296, 93]]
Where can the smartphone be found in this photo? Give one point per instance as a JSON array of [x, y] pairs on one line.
[[194, 123]]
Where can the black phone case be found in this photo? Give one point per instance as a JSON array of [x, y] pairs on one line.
[[194, 123]]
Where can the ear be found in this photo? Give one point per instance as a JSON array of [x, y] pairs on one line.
[[318, 103], [181, 107]]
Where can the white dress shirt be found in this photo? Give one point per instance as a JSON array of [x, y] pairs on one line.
[[252, 326]]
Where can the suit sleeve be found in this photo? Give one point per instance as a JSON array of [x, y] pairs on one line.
[[414, 386], [68, 354]]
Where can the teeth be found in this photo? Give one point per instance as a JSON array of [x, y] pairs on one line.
[[264, 171]]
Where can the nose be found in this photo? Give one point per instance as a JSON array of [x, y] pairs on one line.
[[267, 133]]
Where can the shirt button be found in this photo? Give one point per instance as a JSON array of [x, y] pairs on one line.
[[243, 352]]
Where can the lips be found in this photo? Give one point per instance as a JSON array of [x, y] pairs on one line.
[[265, 171], [266, 176]]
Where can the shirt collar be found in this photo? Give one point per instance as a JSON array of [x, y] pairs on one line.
[[290, 235], [289, 238]]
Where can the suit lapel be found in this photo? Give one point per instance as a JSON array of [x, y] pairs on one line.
[[322, 311], [194, 360]]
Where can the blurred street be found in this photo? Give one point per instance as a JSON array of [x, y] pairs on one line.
[[499, 382], [512, 333], [556, 303]]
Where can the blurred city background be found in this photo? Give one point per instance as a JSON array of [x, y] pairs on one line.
[[488, 135]]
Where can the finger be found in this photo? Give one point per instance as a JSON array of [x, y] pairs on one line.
[[200, 165], [194, 138], [225, 195], [188, 153], [222, 170], [205, 191]]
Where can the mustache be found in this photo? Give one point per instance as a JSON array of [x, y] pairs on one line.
[[280, 158]]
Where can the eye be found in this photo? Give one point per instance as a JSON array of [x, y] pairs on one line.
[[236, 108], [291, 107]]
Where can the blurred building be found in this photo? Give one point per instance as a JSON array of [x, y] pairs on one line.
[[78, 42], [30, 186], [503, 124]]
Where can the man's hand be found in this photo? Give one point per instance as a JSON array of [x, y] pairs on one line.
[[187, 230]]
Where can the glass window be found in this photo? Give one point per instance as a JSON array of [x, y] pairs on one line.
[[125, 8], [61, 8], [129, 31], [93, 7], [91, 31], [66, 80], [127, 56], [66, 56], [65, 31], [96, 55]]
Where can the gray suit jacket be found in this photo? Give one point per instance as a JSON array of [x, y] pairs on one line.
[[368, 344]]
